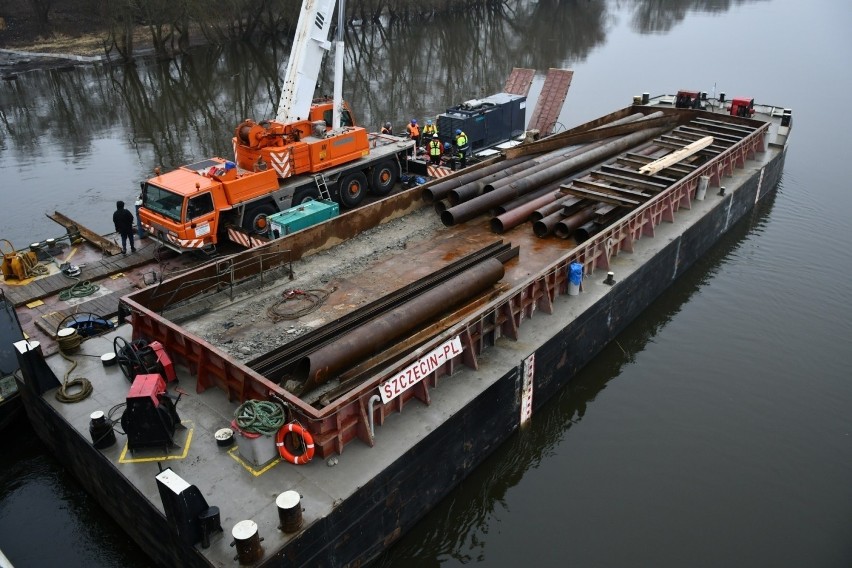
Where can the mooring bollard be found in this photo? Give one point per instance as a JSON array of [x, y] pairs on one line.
[[289, 511], [247, 540]]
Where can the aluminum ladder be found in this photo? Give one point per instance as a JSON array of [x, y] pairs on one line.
[[322, 186]]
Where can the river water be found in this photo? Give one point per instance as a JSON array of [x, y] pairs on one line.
[[716, 430]]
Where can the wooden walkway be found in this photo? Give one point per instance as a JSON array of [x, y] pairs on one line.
[[93, 271]]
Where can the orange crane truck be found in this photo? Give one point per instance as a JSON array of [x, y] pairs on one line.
[[312, 150]]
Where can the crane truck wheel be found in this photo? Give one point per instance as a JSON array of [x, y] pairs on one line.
[[385, 175], [303, 195], [255, 221], [352, 189]]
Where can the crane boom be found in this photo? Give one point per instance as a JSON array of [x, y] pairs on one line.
[[309, 46]]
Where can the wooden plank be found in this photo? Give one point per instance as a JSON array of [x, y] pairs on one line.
[[677, 156], [48, 323], [519, 81], [550, 100], [91, 236], [683, 141], [678, 146], [632, 158]]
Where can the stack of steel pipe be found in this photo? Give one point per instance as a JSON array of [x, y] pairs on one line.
[[557, 170], [471, 184], [547, 217], [565, 226], [514, 217], [354, 346]]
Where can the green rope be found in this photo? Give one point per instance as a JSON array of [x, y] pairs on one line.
[[260, 417], [81, 289]]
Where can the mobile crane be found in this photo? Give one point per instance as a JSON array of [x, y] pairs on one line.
[[311, 150]]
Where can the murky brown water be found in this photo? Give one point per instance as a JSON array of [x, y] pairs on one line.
[[715, 432]]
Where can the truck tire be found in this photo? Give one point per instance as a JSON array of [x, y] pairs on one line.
[[254, 221], [305, 194], [352, 189], [384, 176]]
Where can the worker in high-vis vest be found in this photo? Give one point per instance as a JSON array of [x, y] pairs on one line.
[[429, 130], [462, 147], [435, 150], [413, 131]]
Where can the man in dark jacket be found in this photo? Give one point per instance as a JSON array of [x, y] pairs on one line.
[[123, 221]]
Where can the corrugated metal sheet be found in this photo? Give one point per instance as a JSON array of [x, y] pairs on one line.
[[551, 99]]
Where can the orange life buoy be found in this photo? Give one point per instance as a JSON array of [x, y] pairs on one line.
[[307, 440]]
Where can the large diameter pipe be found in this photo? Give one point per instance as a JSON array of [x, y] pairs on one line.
[[464, 193], [583, 232], [557, 206], [566, 226], [476, 187], [363, 341], [514, 217], [545, 225], [526, 198], [441, 189], [470, 209], [460, 192], [497, 184]]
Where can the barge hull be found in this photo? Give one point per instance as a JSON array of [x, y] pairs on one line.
[[470, 414]]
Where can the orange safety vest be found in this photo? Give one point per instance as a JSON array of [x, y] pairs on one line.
[[413, 130]]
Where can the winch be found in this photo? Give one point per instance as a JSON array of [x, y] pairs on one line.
[[18, 265], [139, 357], [150, 418]]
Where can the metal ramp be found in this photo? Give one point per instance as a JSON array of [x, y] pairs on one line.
[[519, 81], [550, 101]]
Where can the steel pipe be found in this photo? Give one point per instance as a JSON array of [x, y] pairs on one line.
[[464, 193], [526, 198], [566, 226], [441, 189], [583, 232], [557, 206], [470, 209], [476, 187], [514, 217], [545, 225], [356, 345], [497, 184]]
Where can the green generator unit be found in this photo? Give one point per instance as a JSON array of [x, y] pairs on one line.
[[301, 216]]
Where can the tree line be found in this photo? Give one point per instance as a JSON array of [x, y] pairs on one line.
[[170, 27]]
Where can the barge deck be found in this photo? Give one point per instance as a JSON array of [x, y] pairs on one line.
[[385, 457]]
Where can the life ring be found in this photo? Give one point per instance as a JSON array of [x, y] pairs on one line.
[[307, 440]]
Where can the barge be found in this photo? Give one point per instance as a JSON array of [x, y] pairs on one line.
[[424, 340]]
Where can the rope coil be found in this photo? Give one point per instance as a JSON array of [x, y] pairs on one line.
[[64, 394], [260, 416], [80, 289]]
